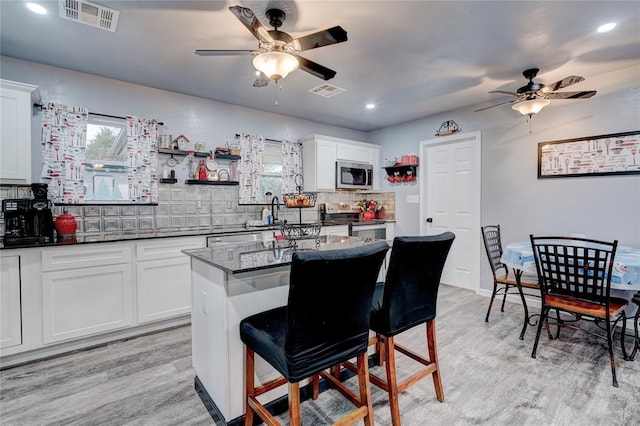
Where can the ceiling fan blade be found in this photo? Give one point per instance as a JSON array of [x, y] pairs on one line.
[[492, 106], [570, 95], [506, 93], [249, 19], [561, 84], [315, 69], [262, 80], [321, 38], [224, 52]]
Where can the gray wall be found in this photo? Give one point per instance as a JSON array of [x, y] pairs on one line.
[[198, 119], [606, 207]]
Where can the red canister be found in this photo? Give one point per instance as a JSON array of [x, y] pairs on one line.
[[66, 226]]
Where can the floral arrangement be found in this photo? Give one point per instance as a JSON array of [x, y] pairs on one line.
[[370, 206]]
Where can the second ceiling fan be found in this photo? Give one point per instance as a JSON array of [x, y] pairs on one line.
[[532, 97], [278, 53]]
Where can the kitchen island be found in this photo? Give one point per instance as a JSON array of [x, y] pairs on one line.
[[229, 283]]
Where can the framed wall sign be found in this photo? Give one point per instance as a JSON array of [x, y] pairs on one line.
[[613, 154]]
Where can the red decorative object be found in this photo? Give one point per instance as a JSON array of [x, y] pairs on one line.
[[368, 216], [66, 226]]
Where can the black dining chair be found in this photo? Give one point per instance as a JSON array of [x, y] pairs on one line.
[[407, 298], [575, 278], [636, 327], [502, 279], [325, 322]]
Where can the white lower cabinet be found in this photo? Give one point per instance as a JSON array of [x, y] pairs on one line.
[[163, 278], [80, 299], [10, 307]]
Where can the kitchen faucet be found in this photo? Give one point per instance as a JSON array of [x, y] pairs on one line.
[[275, 202]]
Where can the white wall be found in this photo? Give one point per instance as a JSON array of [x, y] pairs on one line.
[[603, 207], [198, 119]]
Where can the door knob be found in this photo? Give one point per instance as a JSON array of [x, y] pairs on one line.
[[429, 220]]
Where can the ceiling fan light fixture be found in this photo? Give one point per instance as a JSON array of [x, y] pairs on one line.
[[531, 106], [275, 64]]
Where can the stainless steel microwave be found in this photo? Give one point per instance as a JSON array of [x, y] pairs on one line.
[[350, 175]]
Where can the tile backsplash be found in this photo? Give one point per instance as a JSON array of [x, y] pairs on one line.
[[187, 208]]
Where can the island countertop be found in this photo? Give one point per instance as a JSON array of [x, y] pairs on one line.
[[236, 258]]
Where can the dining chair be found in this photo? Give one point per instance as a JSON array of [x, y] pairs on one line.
[[575, 278], [407, 298], [325, 322], [502, 279], [636, 327]]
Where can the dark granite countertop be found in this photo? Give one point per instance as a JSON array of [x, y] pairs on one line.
[[147, 234], [257, 255]]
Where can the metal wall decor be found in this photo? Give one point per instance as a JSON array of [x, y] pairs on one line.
[[612, 154], [448, 127]]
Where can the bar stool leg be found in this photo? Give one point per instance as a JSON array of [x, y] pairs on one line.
[[433, 358], [392, 382], [249, 386], [294, 404]]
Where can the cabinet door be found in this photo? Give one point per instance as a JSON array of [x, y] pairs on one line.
[[164, 288], [163, 277], [15, 132], [360, 154], [81, 302], [325, 165], [10, 315]]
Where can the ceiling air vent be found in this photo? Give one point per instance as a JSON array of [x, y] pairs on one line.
[[89, 14], [327, 90]]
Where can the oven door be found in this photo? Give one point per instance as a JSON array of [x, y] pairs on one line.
[[377, 231]]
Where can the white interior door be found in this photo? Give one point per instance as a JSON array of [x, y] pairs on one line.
[[450, 201]]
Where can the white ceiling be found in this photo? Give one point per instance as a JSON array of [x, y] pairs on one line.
[[412, 58]]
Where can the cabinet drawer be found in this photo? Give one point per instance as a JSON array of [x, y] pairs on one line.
[[61, 258], [166, 248]]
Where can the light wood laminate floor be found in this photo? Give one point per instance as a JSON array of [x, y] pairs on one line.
[[488, 374]]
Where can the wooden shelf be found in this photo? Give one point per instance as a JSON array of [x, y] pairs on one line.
[[219, 156], [211, 182], [179, 152], [402, 168]]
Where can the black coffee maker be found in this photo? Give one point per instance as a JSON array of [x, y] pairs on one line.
[[27, 221]]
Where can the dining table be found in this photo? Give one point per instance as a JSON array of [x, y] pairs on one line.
[[625, 277], [626, 268]]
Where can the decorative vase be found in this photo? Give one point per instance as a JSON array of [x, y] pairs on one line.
[[66, 226], [368, 216]]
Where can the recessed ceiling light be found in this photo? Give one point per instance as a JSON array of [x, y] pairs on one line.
[[606, 27], [371, 106], [37, 8]]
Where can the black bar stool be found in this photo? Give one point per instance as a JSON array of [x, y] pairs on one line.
[[325, 322], [406, 299]]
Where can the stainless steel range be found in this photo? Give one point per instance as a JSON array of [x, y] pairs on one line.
[[347, 214]]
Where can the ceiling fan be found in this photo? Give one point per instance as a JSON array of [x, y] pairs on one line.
[[532, 97], [278, 53]]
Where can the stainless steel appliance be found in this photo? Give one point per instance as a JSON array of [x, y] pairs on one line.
[[28, 221], [351, 175], [377, 230]]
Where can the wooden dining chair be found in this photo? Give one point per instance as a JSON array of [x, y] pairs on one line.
[[575, 278], [325, 322], [503, 281]]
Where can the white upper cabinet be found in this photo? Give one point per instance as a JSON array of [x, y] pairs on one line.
[[15, 131], [319, 156]]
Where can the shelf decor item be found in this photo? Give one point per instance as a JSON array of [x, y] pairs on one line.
[[611, 154]]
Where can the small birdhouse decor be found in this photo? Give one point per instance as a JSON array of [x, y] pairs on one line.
[[182, 143], [448, 128]]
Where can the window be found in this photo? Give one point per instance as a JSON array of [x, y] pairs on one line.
[[105, 176], [271, 179]]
